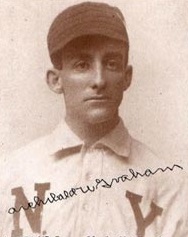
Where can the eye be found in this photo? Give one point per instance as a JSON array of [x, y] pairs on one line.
[[114, 64], [81, 65]]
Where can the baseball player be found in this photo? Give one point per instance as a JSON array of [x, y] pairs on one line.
[[90, 177]]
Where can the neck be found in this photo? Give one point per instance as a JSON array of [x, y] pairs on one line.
[[90, 133]]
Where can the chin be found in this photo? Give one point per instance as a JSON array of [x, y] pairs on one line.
[[100, 116]]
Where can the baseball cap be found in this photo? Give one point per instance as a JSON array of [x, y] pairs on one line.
[[87, 18]]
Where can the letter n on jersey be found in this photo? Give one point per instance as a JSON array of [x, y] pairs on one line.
[[33, 216]]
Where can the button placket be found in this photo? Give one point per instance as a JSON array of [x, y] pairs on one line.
[[91, 170], [89, 167], [88, 203]]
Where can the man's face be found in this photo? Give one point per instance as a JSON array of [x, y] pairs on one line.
[[94, 76]]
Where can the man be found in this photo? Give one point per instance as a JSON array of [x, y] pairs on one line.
[[90, 177]]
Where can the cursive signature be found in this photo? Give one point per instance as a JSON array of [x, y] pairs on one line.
[[98, 184]]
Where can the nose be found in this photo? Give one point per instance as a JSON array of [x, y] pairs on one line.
[[98, 80]]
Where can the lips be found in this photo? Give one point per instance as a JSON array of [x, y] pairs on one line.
[[97, 98]]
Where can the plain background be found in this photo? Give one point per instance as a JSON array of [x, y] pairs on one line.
[[155, 108]]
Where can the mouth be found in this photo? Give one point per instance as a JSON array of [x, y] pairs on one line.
[[97, 98]]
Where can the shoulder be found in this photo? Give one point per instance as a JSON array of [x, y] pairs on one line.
[[162, 174], [24, 159], [36, 146], [141, 155]]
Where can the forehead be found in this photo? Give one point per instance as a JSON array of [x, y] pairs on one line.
[[92, 44]]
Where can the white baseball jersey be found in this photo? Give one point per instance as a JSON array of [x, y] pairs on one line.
[[59, 187]]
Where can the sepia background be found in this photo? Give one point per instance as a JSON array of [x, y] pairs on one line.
[[155, 108]]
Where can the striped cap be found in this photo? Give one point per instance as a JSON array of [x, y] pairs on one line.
[[87, 18]]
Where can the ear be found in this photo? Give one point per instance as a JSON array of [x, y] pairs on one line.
[[54, 80], [128, 77]]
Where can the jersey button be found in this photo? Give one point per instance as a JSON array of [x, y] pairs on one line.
[[86, 207], [89, 176]]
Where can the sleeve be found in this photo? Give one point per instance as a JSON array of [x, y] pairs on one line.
[[175, 218]]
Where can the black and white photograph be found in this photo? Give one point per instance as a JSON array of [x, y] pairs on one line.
[[94, 118]]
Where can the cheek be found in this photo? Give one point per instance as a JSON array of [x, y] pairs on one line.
[[73, 90], [117, 94], [116, 87], [71, 93]]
